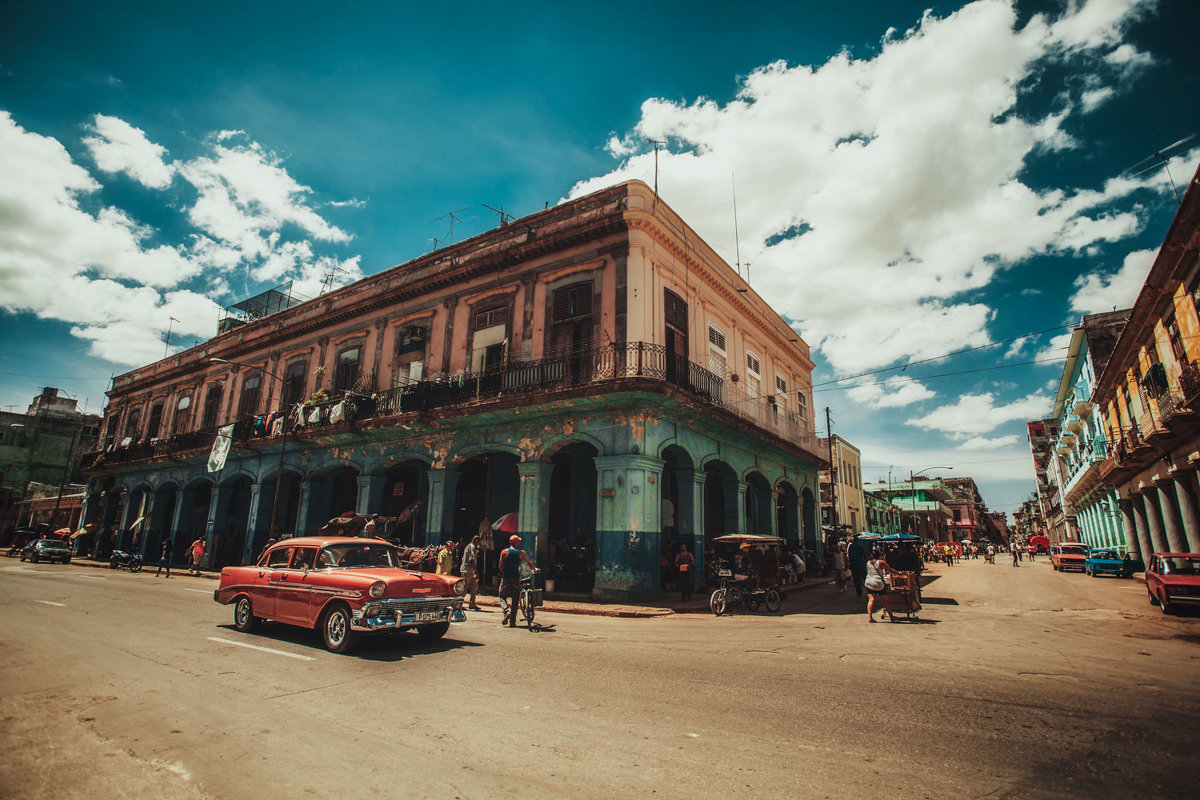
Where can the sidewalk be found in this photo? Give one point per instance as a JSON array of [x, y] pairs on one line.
[[557, 603]]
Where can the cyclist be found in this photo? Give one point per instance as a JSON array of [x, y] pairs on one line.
[[510, 577]]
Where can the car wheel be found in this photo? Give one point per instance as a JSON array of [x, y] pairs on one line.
[[431, 633], [717, 602], [243, 615], [774, 599], [336, 631], [1166, 606]]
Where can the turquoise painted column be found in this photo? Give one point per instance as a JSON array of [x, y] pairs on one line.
[[533, 509], [370, 494], [252, 542], [184, 499], [691, 483], [218, 506], [1133, 544], [302, 507], [628, 528], [1188, 510], [740, 505], [443, 491]]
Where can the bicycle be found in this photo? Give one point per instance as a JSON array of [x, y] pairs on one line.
[[528, 600]]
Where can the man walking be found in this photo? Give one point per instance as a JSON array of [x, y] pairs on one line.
[[196, 551], [164, 562], [856, 560], [510, 577], [683, 566], [470, 570]]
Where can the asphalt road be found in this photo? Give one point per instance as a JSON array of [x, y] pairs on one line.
[[1016, 683]]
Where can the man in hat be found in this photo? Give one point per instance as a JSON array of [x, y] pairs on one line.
[[510, 577], [470, 570]]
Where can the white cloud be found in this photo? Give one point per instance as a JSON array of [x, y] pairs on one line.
[[1055, 349], [978, 414], [1097, 293], [983, 443], [112, 277], [895, 392], [1094, 98], [903, 175], [117, 146]]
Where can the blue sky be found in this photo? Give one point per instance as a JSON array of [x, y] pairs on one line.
[[910, 182]]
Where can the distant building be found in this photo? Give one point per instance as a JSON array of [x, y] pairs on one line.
[[968, 513], [1147, 398], [38, 449], [842, 503], [998, 531], [922, 504], [1043, 436], [882, 516]]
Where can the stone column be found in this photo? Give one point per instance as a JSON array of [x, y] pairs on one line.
[[443, 492], [218, 509], [1158, 536], [740, 505], [305, 488], [1142, 526], [1133, 545], [1189, 512], [252, 543], [533, 508], [690, 518], [628, 528], [370, 495], [1172, 524]]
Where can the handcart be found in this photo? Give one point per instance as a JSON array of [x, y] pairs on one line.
[[903, 596]]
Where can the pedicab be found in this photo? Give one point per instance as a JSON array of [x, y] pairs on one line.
[[746, 572]]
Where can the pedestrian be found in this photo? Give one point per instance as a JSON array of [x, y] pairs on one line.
[[798, 566], [876, 583], [1016, 552], [164, 562], [510, 577], [368, 531], [266, 547], [839, 566], [445, 560], [470, 570], [196, 551], [856, 562], [683, 565]]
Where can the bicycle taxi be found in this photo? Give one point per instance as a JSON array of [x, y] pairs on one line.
[[747, 572]]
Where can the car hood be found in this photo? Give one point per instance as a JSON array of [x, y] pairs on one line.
[[400, 582]]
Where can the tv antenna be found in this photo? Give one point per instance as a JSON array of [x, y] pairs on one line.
[[327, 284], [656, 144], [737, 243], [505, 217], [454, 217], [1159, 154]]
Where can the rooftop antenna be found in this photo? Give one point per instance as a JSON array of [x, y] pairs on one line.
[[1162, 158], [167, 348], [327, 284], [453, 215], [737, 243], [505, 217], [656, 144]]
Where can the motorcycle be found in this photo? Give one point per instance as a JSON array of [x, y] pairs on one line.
[[131, 561]]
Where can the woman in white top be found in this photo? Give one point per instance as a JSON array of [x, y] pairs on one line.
[[876, 583]]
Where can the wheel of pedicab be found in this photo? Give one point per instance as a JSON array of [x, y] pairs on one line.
[[752, 602], [774, 599], [717, 602]]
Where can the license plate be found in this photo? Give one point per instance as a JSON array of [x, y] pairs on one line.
[[429, 616]]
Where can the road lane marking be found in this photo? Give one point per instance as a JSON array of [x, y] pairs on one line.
[[51, 603], [93, 577], [263, 649], [201, 591]]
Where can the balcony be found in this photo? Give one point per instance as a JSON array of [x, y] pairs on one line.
[[518, 381], [1074, 424], [1082, 407]]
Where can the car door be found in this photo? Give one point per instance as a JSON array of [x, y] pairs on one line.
[[266, 590], [293, 587]]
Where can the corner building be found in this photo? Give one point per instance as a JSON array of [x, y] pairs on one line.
[[595, 368]]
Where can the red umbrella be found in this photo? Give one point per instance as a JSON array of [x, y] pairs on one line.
[[507, 523]]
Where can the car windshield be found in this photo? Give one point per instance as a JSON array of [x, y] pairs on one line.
[[352, 554], [1108, 554], [51, 544], [1181, 566]]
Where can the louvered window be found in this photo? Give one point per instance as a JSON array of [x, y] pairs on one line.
[[752, 364], [155, 421], [251, 393], [781, 383], [676, 311], [349, 370], [293, 383], [212, 407], [183, 414], [572, 301], [716, 338], [491, 318]]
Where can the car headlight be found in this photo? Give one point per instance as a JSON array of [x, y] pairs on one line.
[[377, 589], [460, 587]]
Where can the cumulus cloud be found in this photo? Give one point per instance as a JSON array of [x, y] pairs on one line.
[[903, 173], [117, 146], [113, 277], [1097, 293], [896, 392], [984, 443], [977, 414]]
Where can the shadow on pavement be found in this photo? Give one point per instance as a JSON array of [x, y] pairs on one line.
[[389, 646]]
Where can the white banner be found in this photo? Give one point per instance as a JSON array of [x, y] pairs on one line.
[[216, 459]]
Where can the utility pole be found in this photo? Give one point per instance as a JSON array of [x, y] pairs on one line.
[[833, 474]]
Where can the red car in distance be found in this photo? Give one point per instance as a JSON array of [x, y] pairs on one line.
[[1173, 579], [345, 587]]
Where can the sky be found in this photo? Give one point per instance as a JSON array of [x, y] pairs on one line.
[[932, 194]]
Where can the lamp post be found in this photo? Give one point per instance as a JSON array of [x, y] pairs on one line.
[[912, 483], [282, 443]]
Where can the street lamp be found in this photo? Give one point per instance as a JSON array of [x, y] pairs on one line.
[[282, 443], [912, 484]]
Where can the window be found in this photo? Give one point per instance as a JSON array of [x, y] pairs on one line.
[[781, 385], [303, 557], [1176, 339], [155, 422], [251, 393], [293, 383], [212, 407], [802, 404], [132, 421], [349, 370], [491, 318], [278, 559], [716, 338], [752, 364], [411, 339], [183, 414], [572, 301]]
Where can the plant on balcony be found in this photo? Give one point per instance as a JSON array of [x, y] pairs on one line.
[[316, 398], [99, 461]]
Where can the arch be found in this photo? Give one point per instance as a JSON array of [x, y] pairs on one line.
[[381, 464], [787, 513], [236, 476], [808, 521], [554, 445], [720, 500], [671, 450], [197, 482], [759, 504], [472, 451], [333, 466]]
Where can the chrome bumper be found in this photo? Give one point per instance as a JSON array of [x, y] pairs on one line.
[[382, 615]]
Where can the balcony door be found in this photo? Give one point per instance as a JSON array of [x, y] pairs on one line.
[[676, 338]]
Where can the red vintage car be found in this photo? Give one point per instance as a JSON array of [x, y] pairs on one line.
[[1068, 555], [1173, 579], [343, 586]]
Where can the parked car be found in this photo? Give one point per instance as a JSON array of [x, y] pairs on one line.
[[342, 586], [46, 550], [1173, 579], [1106, 561], [1068, 555]]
